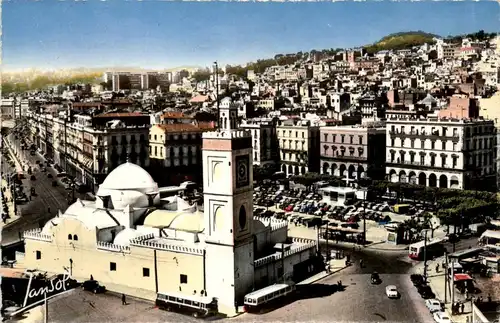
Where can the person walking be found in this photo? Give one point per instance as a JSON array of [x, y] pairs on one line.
[[124, 301], [462, 307]]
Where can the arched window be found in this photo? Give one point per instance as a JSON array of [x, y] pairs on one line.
[[70, 237], [75, 237]]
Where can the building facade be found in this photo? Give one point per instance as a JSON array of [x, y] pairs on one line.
[[446, 153], [298, 146], [353, 152], [264, 140]]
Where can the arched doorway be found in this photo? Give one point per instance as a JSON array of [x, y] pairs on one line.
[[325, 168], [283, 168], [412, 178], [334, 169], [342, 170], [432, 180], [361, 172], [422, 179], [402, 176], [443, 181], [290, 170], [393, 176], [454, 183], [296, 170], [302, 170], [352, 171]]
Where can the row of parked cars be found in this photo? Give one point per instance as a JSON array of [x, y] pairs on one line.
[[434, 306]]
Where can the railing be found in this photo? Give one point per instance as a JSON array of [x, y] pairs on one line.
[[36, 234], [142, 241], [277, 256], [112, 247]]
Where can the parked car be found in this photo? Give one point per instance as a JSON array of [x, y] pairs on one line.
[[93, 286], [32, 178], [391, 291], [426, 292], [54, 183], [433, 305], [49, 175], [441, 317]]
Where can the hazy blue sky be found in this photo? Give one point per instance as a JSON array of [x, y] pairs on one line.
[[154, 34]]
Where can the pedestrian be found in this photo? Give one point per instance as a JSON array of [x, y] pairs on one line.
[[462, 306], [124, 301], [467, 294], [91, 277], [437, 268], [489, 298]]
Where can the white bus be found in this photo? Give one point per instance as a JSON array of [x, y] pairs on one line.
[[433, 248], [256, 300], [198, 306]]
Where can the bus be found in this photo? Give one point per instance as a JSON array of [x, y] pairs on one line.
[[434, 248], [198, 306], [267, 295]]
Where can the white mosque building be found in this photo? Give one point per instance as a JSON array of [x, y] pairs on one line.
[[134, 242]]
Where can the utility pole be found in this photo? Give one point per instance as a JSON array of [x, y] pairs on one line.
[[452, 283], [46, 314], [425, 255], [217, 93], [327, 234], [364, 218], [446, 282]]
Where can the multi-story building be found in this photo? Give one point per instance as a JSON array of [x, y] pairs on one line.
[[299, 146], [353, 152], [264, 139], [8, 108], [175, 151], [446, 153], [88, 148]]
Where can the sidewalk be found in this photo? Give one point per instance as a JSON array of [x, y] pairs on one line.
[[19, 167], [336, 265], [437, 284], [8, 195]]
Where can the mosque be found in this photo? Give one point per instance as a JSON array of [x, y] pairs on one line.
[[133, 241]]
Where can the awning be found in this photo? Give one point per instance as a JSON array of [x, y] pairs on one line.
[[461, 277]]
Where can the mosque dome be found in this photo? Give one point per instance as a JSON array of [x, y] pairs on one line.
[[123, 237], [129, 176]]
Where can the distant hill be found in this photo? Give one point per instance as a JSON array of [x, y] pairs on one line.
[[401, 40]]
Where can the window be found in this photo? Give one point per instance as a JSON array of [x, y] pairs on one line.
[[145, 272], [443, 145], [360, 138], [75, 237], [184, 279], [70, 237], [38, 255], [112, 266], [155, 137]]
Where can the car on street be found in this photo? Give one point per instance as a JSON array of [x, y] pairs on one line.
[[441, 317], [375, 278], [93, 286], [49, 175], [32, 178], [433, 305], [417, 279], [54, 183], [391, 291]]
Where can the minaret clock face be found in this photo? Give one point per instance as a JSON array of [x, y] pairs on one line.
[[242, 171]]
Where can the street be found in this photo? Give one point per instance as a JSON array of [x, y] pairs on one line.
[[35, 213]]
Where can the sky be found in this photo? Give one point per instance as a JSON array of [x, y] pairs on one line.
[[155, 34]]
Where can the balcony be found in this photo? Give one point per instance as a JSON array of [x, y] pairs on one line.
[[423, 135], [419, 165]]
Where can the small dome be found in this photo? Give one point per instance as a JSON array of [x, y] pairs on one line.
[[123, 237], [129, 176], [188, 221]]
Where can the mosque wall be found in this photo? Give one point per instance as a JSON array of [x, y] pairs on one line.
[[132, 266]]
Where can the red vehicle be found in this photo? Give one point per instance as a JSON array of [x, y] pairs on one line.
[[289, 208]]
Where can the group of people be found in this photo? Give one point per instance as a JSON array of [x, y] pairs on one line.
[[457, 308]]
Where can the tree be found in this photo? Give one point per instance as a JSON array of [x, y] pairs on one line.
[[202, 75]]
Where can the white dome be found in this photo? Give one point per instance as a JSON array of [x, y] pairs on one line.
[[129, 176], [123, 237]]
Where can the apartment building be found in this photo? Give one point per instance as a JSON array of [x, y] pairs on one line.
[[175, 150], [298, 146], [264, 139], [353, 152], [446, 153], [88, 148]]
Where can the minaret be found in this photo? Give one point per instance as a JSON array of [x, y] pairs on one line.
[[228, 208]]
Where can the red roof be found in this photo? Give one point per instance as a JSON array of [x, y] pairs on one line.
[[459, 277], [175, 115], [187, 127]]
